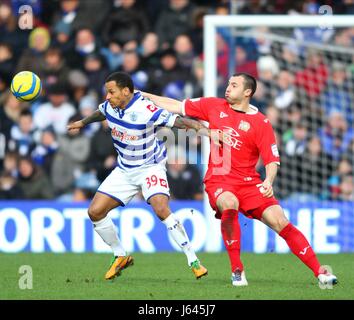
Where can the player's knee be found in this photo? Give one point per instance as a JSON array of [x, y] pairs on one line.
[[95, 213], [279, 223], [161, 211], [229, 203]]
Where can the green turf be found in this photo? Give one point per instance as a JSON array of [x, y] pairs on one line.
[[165, 276]]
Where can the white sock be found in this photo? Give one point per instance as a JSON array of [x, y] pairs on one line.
[[178, 233], [109, 234]]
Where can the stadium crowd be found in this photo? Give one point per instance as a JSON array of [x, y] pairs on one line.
[[75, 44]]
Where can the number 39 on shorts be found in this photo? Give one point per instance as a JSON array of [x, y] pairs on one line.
[[154, 180]]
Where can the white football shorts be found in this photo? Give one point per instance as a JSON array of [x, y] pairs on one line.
[[124, 185]]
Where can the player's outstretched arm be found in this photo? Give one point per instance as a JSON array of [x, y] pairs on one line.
[[169, 104], [95, 117], [186, 123]]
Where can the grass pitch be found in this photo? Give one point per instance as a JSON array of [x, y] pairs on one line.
[[166, 276]]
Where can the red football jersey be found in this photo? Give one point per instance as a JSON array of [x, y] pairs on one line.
[[250, 135]]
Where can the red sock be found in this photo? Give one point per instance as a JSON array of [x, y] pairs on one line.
[[231, 234], [300, 247]]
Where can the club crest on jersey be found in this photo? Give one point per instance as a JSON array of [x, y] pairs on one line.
[[244, 126], [151, 107], [133, 116]]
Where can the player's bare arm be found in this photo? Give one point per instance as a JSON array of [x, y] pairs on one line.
[[95, 117], [169, 104], [186, 123], [271, 172]]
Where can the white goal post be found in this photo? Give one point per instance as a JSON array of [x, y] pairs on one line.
[[211, 23]]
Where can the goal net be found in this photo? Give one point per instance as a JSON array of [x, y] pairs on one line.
[[304, 67]]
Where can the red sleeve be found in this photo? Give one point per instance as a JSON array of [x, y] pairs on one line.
[[266, 143], [197, 108]]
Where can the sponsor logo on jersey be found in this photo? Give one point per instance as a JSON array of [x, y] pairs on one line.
[[123, 136], [230, 138], [133, 116], [223, 115], [275, 150], [244, 126], [152, 107]]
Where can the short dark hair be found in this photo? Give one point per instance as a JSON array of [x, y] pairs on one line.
[[249, 81], [122, 80]]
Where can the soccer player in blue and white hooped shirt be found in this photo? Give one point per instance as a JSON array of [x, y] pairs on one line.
[[140, 166]]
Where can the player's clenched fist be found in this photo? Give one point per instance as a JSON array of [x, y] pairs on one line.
[[266, 189]]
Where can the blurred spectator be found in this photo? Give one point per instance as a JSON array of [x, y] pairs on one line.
[[87, 106], [125, 23], [43, 153], [290, 55], [9, 188], [24, 134], [194, 87], [78, 85], [69, 161], [336, 135], [113, 55], [173, 21], [312, 170], [261, 97], [10, 164], [102, 158], [244, 63], [256, 7], [344, 168], [346, 188], [196, 32], [7, 62], [149, 51], [170, 77], [131, 64], [96, 71], [10, 114], [76, 14], [39, 41], [337, 92], [285, 92], [297, 142], [184, 179], [85, 44], [9, 31], [312, 79], [56, 112], [33, 181], [53, 69], [184, 51]]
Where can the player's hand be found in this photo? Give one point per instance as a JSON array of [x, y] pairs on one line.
[[74, 126], [266, 189]]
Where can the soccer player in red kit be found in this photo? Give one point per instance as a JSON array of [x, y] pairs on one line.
[[232, 182]]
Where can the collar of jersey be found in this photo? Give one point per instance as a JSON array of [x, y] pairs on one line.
[[136, 96]]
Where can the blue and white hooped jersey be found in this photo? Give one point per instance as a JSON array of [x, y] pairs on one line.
[[133, 131]]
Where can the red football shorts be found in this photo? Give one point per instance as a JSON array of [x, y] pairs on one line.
[[251, 200]]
